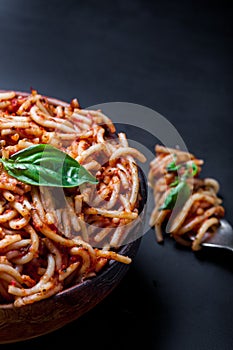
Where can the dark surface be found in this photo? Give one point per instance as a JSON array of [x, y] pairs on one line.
[[176, 58]]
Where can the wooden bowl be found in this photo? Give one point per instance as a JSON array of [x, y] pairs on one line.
[[45, 316]]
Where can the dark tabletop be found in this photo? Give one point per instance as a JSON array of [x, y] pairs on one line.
[[174, 57]]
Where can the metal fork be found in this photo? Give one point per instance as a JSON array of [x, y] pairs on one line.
[[222, 238]]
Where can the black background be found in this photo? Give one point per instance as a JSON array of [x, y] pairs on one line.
[[176, 58]]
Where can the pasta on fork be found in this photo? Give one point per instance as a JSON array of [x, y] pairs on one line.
[[189, 203]]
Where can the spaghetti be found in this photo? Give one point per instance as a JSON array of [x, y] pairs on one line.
[[49, 239], [199, 209]]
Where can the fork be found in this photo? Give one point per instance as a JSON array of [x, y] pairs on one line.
[[222, 238]]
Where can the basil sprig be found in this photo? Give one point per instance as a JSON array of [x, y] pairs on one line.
[[179, 186], [45, 165], [171, 198]]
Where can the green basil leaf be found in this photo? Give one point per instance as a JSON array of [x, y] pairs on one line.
[[191, 171], [175, 182], [45, 165], [194, 169], [172, 166], [183, 189]]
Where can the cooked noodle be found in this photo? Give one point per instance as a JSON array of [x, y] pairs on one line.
[[46, 245], [200, 213]]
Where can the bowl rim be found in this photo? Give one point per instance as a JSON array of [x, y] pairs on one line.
[[76, 287], [54, 100]]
